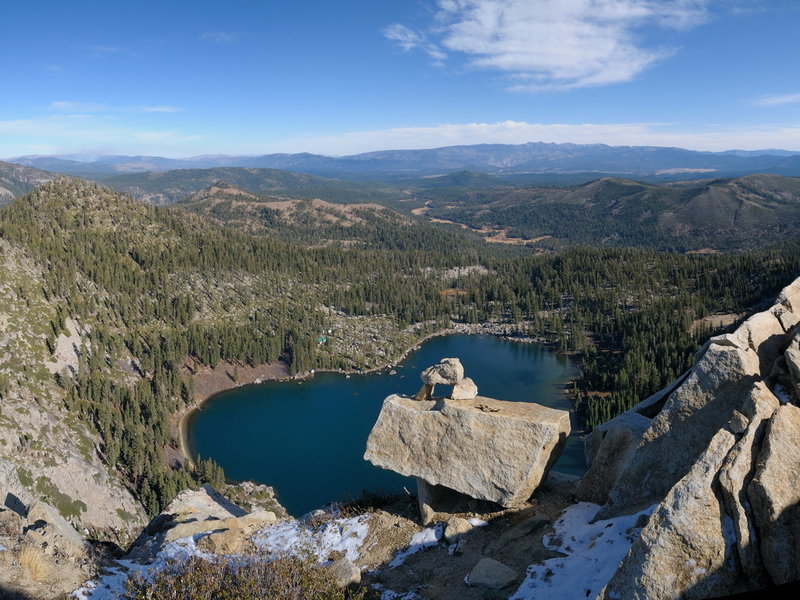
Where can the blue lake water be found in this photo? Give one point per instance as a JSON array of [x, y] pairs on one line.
[[307, 438]]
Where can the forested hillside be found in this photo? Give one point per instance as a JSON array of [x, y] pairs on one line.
[[720, 214], [16, 180], [140, 289], [167, 187]]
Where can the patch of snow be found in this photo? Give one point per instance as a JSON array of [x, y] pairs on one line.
[[593, 553], [392, 595], [111, 586], [476, 522], [422, 539], [295, 537]]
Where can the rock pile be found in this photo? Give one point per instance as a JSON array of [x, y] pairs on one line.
[[449, 371], [483, 448], [718, 454]]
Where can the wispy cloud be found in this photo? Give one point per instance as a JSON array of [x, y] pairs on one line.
[[64, 133], [777, 99], [407, 39], [220, 37], [549, 44], [77, 107], [68, 106], [101, 50], [158, 109]]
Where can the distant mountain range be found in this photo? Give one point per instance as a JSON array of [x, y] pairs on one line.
[[652, 162]]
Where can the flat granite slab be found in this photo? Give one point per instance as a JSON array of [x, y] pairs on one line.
[[485, 448]]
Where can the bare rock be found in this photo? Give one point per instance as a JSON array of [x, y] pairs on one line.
[[789, 297], [226, 541], [775, 495], [191, 513], [192, 528], [437, 503], [491, 573], [765, 335], [792, 359], [449, 371], [456, 528], [464, 390], [55, 531], [345, 572], [259, 519], [205, 501], [487, 449], [734, 477], [719, 383], [683, 551], [611, 447]]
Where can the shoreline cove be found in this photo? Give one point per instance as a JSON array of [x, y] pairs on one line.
[[183, 418]]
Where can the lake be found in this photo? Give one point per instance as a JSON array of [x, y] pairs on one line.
[[307, 438]]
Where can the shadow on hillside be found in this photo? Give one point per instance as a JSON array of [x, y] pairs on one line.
[[8, 594]]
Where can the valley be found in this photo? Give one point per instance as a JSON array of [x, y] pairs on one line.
[[122, 315]]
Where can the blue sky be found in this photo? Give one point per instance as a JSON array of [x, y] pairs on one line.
[[176, 78]]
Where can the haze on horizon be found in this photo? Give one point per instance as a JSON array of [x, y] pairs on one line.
[[184, 79]]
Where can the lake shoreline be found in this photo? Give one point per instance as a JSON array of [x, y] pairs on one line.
[[182, 419]]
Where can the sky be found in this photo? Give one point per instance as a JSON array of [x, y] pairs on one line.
[[179, 79]]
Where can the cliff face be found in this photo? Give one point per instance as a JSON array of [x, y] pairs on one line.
[[718, 454], [46, 451]]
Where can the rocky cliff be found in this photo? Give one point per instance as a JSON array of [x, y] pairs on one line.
[[717, 454]]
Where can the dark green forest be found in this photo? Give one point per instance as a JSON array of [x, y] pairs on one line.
[[160, 285]]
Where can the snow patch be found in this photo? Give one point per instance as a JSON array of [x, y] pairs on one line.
[[296, 538], [287, 537], [593, 553], [422, 539], [111, 586], [392, 595]]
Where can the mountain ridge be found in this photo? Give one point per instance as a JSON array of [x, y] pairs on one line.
[[539, 157]]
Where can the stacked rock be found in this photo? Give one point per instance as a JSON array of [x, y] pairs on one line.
[[449, 371]]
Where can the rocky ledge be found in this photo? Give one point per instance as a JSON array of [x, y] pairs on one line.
[[717, 456]]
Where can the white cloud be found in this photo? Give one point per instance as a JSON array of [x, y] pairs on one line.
[[77, 107], [158, 109], [220, 37], [68, 106], [777, 99], [553, 44], [111, 133], [408, 39]]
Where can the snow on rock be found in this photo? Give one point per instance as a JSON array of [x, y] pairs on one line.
[[111, 586], [295, 537], [422, 539], [287, 537], [593, 553], [392, 595]]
